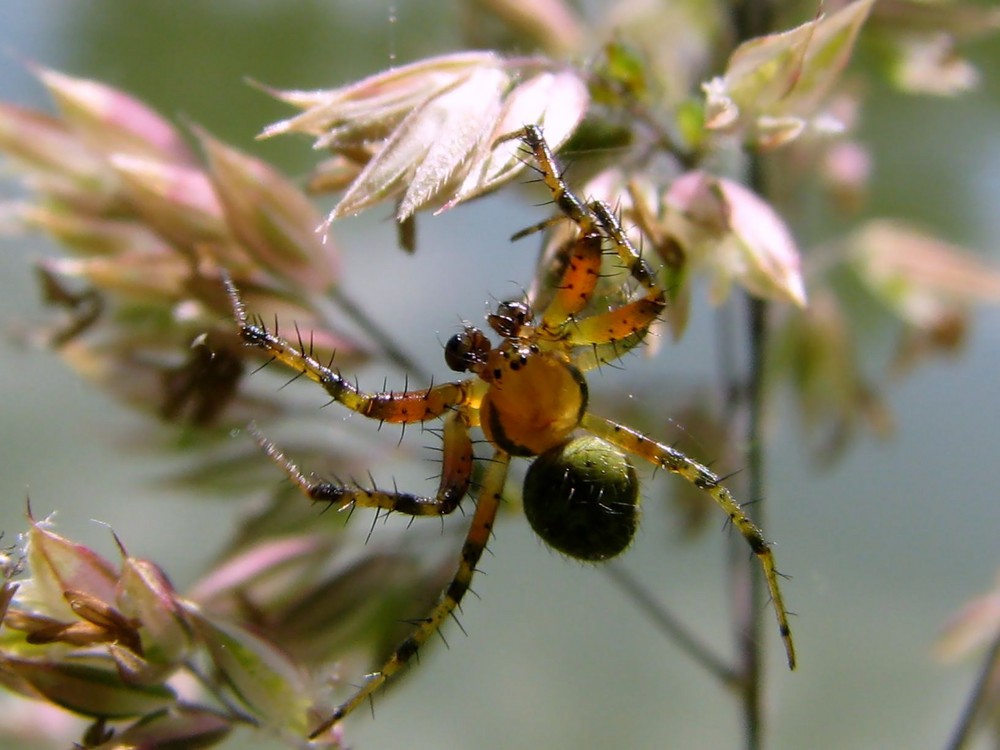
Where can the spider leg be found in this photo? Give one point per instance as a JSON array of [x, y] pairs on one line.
[[583, 255], [475, 542], [631, 319], [596, 222], [539, 227], [606, 337], [395, 406], [456, 474], [700, 476], [619, 324], [592, 217], [562, 196], [582, 270], [632, 258], [606, 353]]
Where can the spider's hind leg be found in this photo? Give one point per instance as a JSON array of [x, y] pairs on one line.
[[456, 475], [476, 539], [700, 476]]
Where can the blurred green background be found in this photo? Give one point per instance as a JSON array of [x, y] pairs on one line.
[[884, 546]]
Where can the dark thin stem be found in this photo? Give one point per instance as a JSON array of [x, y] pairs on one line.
[[743, 403], [747, 610], [670, 625], [752, 18], [727, 361], [989, 676]]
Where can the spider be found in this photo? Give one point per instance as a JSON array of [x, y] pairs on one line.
[[528, 395]]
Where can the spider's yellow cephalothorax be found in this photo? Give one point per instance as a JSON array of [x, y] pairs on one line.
[[535, 399], [528, 394]]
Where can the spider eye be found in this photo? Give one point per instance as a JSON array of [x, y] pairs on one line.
[[456, 352], [466, 349], [582, 498], [510, 317]]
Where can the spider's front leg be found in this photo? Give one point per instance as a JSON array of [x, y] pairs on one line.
[[399, 407], [700, 476], [594, 219], [596, 223]]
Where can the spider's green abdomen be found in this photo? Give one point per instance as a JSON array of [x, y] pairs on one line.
[[582, 498]]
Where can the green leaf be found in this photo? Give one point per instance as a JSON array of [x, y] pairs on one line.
[[58, 565], [784, 75], [90, 690], [263, 678]]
